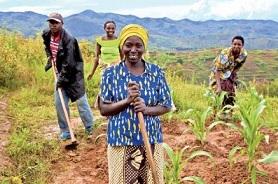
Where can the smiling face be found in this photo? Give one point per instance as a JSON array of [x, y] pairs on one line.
[[133, 49], [236, 46], [54, 26], [110, 29]]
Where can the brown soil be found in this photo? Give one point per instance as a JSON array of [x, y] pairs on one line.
[[88, 164], [4, 132]]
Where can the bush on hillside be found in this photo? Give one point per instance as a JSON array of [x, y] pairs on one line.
[[269, 89]]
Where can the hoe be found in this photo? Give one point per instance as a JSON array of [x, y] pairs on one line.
[[74, 142]]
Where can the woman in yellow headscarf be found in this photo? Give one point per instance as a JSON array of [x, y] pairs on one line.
[[133, 86]]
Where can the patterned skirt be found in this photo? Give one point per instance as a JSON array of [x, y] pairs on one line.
[[229, 86], [129, 165]]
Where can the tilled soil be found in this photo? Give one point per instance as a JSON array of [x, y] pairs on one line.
[[88, 163]]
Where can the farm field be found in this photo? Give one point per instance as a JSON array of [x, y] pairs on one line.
[[222, 152], [88, 164]]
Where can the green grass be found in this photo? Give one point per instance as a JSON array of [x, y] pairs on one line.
[[32, 105], [270, 114], [28, 147]]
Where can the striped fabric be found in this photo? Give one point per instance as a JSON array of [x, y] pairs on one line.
[[54, 44]]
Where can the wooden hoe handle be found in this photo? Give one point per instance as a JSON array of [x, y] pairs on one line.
[[73, 139], [147, 146]]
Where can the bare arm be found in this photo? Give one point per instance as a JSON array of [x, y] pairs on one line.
[[108, 109], [96, 62], [218, 83], [156, 110], [139, 106]]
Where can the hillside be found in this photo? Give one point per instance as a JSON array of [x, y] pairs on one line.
[[164, 33], [29, 129], [195, 66]]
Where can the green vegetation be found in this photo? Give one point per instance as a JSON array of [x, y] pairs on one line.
[[176, 164], [198, 124], [31, 104], [250, 112], [261, 65], [215, 101]]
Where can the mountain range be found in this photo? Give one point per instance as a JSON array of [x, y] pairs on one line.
[[164, 33]]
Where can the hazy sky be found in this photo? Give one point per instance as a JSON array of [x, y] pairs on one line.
[[174, 9]]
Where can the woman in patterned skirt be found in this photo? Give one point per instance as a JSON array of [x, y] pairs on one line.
[[226, 65], [133, 86]]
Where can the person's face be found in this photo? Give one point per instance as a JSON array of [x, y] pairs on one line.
[[237, 46], [55, 26], [133, 49], [110, 29]]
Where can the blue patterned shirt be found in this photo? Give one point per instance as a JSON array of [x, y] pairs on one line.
[[123, 128]]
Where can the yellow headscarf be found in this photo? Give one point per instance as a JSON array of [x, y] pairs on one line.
[[134, 30]]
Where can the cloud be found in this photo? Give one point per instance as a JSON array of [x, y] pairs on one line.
[[248, 9], [61, 6], [193, 9], [211, 9]]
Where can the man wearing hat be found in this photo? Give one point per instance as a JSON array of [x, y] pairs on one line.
[[63, 49]]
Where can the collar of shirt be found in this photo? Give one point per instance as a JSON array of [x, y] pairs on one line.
[[148, 69], [56, 38], [242, 56]]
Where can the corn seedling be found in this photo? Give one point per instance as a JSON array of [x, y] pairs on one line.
[[185, 114], [232, 154], [270, 158], [174, 168], [251, 124], [195, 179], [215, 101], [197, 125]]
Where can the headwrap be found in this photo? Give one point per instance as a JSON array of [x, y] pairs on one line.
[[134, 30]]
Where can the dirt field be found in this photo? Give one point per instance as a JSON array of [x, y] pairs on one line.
[[88, 164]]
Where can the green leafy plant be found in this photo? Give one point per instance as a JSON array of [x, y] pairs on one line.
[[195, 179], [198, 124], [272, 157], [215, 101], [174, 167], [250, 111], [232, 154]]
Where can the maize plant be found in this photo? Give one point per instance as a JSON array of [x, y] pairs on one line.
[[173, 169], [215, 101], [251, 123], [198, 124]]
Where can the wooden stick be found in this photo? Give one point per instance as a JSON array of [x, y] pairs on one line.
[[147, 146], [72, 137]]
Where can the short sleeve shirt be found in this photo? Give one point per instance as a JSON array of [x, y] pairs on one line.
[[109, 50], [123, 128], [225, 62]]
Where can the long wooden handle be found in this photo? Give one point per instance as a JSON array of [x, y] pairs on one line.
[[72, 137], [147, 146]]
